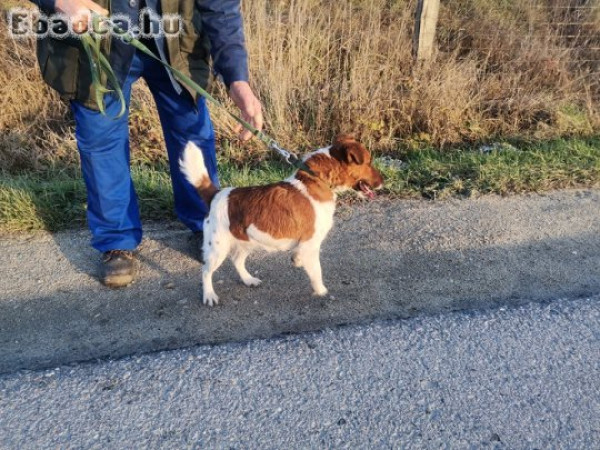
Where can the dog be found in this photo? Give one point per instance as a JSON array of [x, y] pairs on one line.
[[295, 214]]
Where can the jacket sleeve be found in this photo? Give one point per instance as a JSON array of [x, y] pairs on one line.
[[45, 5], [222, 22]]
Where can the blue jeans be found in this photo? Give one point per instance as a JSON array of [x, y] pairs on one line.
[[103, 142]]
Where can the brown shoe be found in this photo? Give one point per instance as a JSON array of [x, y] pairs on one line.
[[118, 268]]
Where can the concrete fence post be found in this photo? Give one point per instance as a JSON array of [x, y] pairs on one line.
[[426, 18]]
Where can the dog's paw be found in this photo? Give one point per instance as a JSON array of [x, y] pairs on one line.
[[252, 281], [210, 299], [320, 291]]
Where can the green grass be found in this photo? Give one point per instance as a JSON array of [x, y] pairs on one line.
[[507, 169], [55, 200]]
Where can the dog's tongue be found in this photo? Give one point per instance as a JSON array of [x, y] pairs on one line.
[[366, 189]]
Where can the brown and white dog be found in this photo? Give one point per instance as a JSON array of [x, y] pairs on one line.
[[295, 214]]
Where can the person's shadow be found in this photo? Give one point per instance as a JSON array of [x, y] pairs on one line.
[[68, 225]]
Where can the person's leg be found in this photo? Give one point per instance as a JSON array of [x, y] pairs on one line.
[[182, 122], [103, 143]]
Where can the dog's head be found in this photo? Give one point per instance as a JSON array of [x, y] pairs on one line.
[[355, 169]]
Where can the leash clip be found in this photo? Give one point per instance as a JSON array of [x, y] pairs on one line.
[[291, 158], [288, 156]]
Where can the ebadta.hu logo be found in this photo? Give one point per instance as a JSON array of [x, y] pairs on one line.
[[26, 23]]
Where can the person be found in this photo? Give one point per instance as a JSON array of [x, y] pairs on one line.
[[211, 28]]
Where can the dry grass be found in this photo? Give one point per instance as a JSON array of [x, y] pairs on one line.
[[504, 69], [33, 125]]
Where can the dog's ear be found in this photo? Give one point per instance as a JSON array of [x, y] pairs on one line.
[[355, 154], [347, 149], [343, 138]]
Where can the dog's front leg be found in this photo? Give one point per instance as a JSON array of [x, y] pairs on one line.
[[309, 258]]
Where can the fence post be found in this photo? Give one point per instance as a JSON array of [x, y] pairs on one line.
[[426, 19]]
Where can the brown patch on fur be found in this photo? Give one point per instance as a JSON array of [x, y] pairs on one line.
[[278, 209], [347, 149], [207, 190], [348, 164], [315, 186], [284, 212]]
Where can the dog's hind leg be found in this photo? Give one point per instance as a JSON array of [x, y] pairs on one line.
[[296, 261], [308, 257], [239, 261], [212, 261]]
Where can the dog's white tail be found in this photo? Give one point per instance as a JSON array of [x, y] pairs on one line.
[[193, 168]]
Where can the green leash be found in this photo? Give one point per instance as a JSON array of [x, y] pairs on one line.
[[99, 64]]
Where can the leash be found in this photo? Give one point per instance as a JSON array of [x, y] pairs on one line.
[[99, 64]]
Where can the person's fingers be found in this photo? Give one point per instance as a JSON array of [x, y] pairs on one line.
[[258, 119], [249, 106], [95, 7], [80, 20], [255, 118], [244, 134], [80, 26], [247, 116]]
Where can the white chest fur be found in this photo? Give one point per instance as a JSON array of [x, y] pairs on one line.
[[324, 211]]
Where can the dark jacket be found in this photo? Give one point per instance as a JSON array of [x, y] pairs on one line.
[[209, 27]]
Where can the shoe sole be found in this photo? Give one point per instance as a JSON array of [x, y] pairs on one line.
[[118, 281]]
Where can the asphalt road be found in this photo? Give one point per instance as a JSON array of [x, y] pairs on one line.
[[522, 377], [383, 260]]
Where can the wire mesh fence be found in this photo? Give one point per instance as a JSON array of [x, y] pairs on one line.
[[566, 29]]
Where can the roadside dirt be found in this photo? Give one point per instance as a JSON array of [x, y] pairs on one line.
[[383, 259]]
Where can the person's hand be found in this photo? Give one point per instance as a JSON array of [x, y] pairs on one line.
[[79, 12], [243, 97]]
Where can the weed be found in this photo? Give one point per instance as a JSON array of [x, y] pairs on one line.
[[56, 200]]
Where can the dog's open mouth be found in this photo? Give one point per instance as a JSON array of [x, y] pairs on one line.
[[366, 189]]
